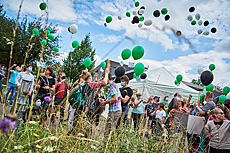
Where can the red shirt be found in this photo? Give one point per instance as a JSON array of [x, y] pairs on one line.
[[61, 89]]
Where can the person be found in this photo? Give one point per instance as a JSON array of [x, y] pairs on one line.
[[160, 116], [11, 86], [114, 101], [126, 119], [126, 94], [61, 92], [138, 110], [166, 103], [149, 108], [156, 101], [219, 130], [2, 75], [98, 107], [45, 85], [25, 76], [89, 92], [208, 106]]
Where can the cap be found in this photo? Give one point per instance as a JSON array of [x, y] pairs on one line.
[[156, 97]]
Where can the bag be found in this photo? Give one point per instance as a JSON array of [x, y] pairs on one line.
[[76, 99]]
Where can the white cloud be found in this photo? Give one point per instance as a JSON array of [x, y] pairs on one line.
[[106, 38], [63, 55]]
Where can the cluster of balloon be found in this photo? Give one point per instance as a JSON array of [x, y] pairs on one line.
[[178, 80], [42, 6], [222, 98], [226, 90], [119, 71], [206, 77], [164, 11], [137, 53], [198, 21], [73, 29], [75, 44], [87, 62], [143, 76], [103, 64]]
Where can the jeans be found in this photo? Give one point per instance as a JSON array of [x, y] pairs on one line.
[[10, 87]]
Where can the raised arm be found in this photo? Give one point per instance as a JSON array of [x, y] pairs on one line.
[[10, 68]]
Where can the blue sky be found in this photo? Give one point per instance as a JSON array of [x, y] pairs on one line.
[[162, 48]]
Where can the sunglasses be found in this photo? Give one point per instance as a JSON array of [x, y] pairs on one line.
[[221, 113]]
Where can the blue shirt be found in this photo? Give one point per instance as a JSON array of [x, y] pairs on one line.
[[139, 109], [13, 76]]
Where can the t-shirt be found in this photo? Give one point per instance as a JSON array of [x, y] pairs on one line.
[[160, 114], [139, 109], [60, 89], [112, 90], [150, 108], [2, 72], [208, 106], [13, 76], [166, 108], [126, 91], [45, 82], [155, 105]]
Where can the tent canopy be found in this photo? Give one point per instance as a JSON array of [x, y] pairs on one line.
[[160, 82]]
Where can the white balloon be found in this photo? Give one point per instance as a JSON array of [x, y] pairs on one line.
[[200, 70], [190, 18], [134, 13], [197, 16], [140, 25], [148, 22], [141, 11], [199, 31], [119, 17], [228, 96], [73, 28], [200, 22], [206, 33]]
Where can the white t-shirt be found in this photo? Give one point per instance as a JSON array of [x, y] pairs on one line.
[[160, 114]]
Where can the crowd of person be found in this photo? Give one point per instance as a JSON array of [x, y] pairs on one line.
[[157, 115]]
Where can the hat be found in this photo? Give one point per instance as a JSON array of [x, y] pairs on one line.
[[156, 97]]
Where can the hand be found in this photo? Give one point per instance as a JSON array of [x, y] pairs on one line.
[[38, 86], [14, 65], [190, 96], [96, 75], [29, 94], [102, 102], [195, 104], [46, 87], [141, 100], [22, 65], [107, 71]]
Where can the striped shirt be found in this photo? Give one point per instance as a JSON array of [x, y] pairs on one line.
[[113, 89]]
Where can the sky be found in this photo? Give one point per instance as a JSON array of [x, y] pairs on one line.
[[162, 48]]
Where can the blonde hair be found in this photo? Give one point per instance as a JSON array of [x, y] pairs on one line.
[[85, 75]]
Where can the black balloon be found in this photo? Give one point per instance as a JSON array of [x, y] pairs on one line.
[[120, 71], [206, 23], [167, 17], [142, 7], [143, 75], [136, 19], [138, 12], [213, 30], [69, 29], [206, 77], [156, 13], [191, 9], [105, 24], [132, 22]]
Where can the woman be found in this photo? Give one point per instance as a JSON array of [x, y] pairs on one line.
[[219, 131], [98, 107], [138, 110], [149, 108]]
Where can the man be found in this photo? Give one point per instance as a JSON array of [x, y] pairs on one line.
[[2, 75], [126, 95], [156, 101], [114, 101], [210, 105], [61, 92], [14, 70]]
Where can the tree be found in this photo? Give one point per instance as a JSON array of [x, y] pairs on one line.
[[73, 64], [197, 82], [22, 38]]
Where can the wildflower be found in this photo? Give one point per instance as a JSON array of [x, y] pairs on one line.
[[53, 138], [47, 99], [18, 147], [48, 149], [33, 122], [47, 129], [37, 146], [35, 135], [81, 134], [6, 123]]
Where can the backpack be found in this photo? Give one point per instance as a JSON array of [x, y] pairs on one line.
[[76, 99], [65, 94]]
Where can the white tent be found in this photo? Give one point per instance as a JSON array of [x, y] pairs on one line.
[[160, 82]]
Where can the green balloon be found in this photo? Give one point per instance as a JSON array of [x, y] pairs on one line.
[[42, 6], [226, 90], [209, 87], [141, 18], [164, 11], [103, 64], [49, 29], [176, 82], [202, 96], [139, 68], [212, 67], [193, 22], [51, 37], [56, 49], [43, 42], [126, 53], [137, 52], [127, 14], [35, 31], [47, 32], [179, 78], [137, 4], [109, 19], [222, 98], [75, 44], [134, 75], [87, 62]]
